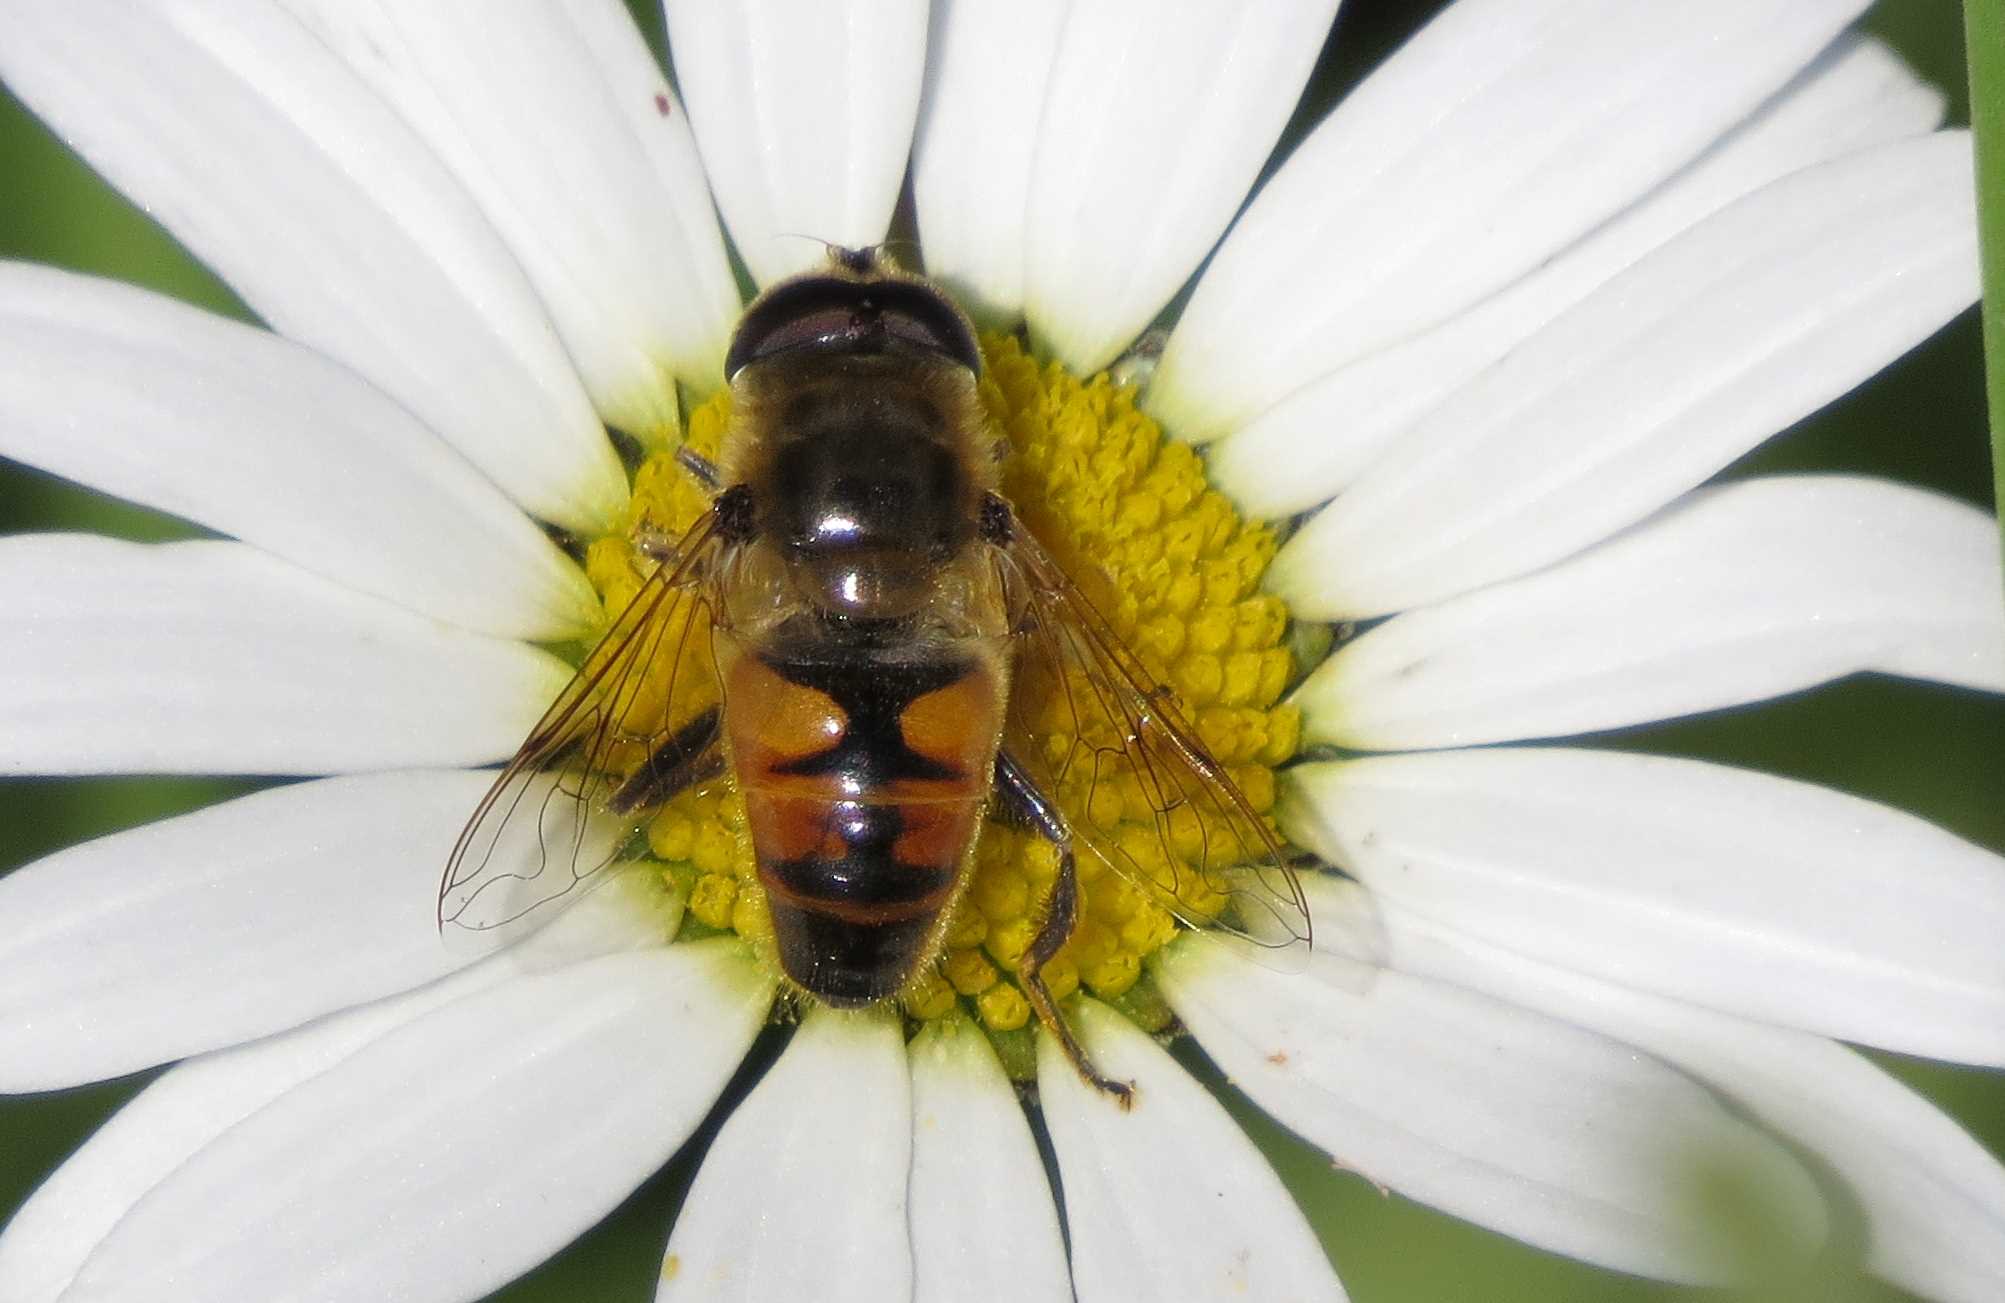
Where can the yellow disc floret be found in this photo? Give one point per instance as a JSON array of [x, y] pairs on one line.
[[1174, 570]]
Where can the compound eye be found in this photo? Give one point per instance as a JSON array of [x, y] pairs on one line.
[[802, 325], [828, 312], [921, 317]]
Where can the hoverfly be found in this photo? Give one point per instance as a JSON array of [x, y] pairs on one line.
[[877, 623]]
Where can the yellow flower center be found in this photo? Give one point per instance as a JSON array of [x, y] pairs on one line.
[[1171, 566]]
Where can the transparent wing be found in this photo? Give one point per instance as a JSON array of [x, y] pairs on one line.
[[1136, 784], [565, 806]]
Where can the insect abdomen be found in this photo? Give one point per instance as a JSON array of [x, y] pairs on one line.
[[865, 779]]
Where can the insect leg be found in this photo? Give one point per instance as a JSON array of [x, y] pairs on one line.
[[1061, 911], [689, 755], [662, 547], [698, 465]]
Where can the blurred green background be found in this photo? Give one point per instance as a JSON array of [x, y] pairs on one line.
[[1934, 751]]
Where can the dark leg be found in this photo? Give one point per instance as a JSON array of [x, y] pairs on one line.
[[661, 547], [687, 756], [1021, 796], [698, 465]]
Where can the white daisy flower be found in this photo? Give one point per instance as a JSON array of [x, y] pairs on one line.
[[1492, 326]]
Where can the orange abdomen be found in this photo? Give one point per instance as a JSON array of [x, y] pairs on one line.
[[865, 773]]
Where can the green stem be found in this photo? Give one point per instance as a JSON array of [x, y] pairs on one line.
[[1984, 30]]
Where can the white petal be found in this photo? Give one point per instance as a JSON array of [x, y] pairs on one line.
[[1155, 123], [802, 1195], [803, 114], [205, 930], [215, 658], [234, 428], [273, 163], [562, 129], [1517, 1122], [983, 1223], [456, 1151], [1932, 1199], [192, 1104], [1747, 322], [1739, 891], [1167, 1199], [1312, 443], [986, 70], [1735, 594], [1501, 133]]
